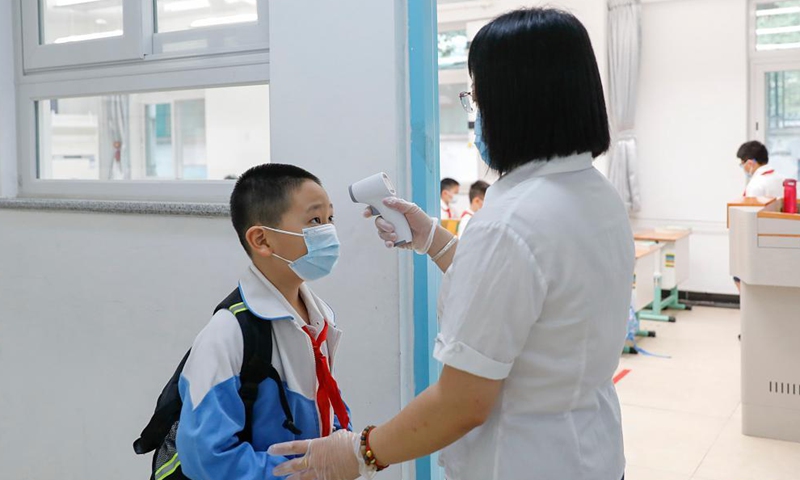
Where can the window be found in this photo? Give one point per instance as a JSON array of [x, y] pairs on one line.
[[782, 120], [203, 134], [453, 47], [775, 82], [777, 25], [141, 99]]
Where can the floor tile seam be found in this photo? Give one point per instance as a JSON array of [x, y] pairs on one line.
[[716, 440]]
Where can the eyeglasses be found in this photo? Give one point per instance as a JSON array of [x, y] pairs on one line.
[[466, 101]]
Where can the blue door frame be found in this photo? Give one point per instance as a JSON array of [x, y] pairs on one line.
[[424, 113]]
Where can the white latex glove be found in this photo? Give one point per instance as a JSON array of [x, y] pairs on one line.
[[422, 226], [335, 457]]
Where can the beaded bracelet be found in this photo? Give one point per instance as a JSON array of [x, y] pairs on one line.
[[366, 450]]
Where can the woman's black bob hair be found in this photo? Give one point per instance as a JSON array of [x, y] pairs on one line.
[[538, 89]]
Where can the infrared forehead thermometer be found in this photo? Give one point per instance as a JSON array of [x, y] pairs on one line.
[[371, 191]]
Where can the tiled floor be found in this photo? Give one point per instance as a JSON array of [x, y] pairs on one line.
[[682, 415]]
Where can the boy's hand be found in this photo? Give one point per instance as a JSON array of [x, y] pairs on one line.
[[330, 458], [422, 226]]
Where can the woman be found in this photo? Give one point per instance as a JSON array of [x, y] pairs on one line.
[[534, 303]]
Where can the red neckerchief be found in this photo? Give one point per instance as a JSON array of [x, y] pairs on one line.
[[328, 394]]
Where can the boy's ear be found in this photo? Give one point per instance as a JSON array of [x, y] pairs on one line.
[[258, 241]]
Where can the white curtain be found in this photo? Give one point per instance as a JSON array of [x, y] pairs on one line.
[[624, 52], [115, 161]]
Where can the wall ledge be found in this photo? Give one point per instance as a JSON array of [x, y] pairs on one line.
[[117, 207]]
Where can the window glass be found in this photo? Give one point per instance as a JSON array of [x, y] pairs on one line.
[[453, 48], [177, 15], [783, 121], [65, 21], [778, 25], [204, 134]]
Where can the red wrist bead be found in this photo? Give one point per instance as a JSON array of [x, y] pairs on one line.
[[366, 450]]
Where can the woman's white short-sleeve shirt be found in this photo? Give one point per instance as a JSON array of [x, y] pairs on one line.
[[538, 295]]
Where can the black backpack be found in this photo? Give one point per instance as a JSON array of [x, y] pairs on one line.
[[160, 433]]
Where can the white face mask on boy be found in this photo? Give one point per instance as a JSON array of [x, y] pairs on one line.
[[323, 252]]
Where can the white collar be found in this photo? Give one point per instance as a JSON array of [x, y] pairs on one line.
[[264, 300], [762, 170], [539, 168]]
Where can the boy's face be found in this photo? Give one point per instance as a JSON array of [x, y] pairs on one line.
[[449, 194], [749, 166], [309, 207], [477, 204]]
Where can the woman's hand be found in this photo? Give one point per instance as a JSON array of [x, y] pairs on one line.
[[422, 226], [330, 458]]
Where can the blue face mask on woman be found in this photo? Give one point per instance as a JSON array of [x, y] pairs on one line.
[[323, 252], [483, 149]]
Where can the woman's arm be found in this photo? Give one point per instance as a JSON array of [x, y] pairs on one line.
[[428, 236], [440, 240], [442, 414]]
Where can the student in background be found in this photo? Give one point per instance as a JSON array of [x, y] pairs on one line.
[[448, 191], [762, 181], [477, 193]]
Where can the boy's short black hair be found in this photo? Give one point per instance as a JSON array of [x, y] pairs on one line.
[[448, 183], [478, 190], [753, 150], [263, 194], [538, 89]]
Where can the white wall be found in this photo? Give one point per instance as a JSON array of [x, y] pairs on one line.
[[691, 118], [96, 309], [96, 312], [345, 119]]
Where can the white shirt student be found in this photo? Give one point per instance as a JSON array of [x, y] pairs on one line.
[[448, 191], [763, 181], [477, 194]]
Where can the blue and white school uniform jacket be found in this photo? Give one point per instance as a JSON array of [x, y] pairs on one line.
[[213, 412]]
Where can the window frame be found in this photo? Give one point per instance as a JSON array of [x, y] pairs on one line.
[[133, 44], [245, 64]]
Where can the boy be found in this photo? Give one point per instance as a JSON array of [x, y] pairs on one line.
[[477, 193], [448, 191], [284, 221], [762, 181]]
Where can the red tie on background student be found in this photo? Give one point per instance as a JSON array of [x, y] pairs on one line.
[[328, 394]]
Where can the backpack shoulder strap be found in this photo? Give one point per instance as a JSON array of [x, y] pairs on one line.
[[256, 363]]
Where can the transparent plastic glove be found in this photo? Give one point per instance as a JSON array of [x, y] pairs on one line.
[[422, 226], [331, 458]]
